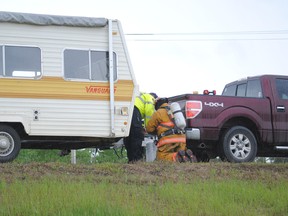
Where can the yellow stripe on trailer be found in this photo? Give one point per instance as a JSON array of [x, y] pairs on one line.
[[58, 88]]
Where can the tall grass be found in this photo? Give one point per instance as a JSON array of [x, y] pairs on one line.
[[83, 156], [51, 196], [108, 188]]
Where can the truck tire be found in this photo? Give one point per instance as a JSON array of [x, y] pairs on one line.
[[239, 145], [10, 144]]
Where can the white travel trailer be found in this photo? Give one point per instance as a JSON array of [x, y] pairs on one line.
[[65, 82]]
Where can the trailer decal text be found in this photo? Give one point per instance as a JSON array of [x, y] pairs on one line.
[[98, 89]]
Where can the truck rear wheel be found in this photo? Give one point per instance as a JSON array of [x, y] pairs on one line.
[[9, 144], [239, 145]]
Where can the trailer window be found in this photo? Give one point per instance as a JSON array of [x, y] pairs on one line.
[[282, 88], [88, 65], [76, 64], [20, 61], [1, 61]]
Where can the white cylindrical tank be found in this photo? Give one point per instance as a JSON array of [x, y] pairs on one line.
[[150, 148], [179, 119]]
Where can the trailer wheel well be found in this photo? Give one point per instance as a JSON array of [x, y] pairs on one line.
[[18, 127]]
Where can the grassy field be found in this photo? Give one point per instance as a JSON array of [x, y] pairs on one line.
[[116, 188]]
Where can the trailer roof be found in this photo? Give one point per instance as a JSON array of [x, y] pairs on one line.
[[43, 19]]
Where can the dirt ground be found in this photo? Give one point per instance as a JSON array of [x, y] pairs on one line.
[[146, 172]]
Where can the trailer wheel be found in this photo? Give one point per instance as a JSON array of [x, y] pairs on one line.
[[9, 144], [239, 145]]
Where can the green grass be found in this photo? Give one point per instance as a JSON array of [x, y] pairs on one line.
[[83, 156], [39, 182], [51, 196]]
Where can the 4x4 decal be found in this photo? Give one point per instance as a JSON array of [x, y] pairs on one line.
[[214, 104]]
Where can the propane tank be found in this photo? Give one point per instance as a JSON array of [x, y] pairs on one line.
[[178, 115], [150, 147]]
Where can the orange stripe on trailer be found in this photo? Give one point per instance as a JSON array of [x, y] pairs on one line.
[[58, 88]]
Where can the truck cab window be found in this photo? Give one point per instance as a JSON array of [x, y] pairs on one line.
[[254, 89], [282, 88], [88, 65], [20, 61], [229, 90], [241, 90]]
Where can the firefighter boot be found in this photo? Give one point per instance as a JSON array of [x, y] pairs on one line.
[[191, 156], [182, 157]]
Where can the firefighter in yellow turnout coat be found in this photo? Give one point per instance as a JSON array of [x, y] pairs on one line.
[[171, 146], [143, 110]]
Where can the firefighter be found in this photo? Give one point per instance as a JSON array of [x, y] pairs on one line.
[[144, 107], [171, 144]]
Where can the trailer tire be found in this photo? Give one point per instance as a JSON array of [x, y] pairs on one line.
[[239, 145], [10, 144]]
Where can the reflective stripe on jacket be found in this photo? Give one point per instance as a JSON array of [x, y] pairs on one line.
[[145, 104], [177, 138], [168, 125]]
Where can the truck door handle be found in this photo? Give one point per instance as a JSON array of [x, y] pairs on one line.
[[280, 108]]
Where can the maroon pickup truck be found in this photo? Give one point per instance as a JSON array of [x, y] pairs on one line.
[[248, 120]]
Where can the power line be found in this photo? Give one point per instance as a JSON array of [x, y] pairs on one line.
[[187, 36], [227, 39], [210, 33]]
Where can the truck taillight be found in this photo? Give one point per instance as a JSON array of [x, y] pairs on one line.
[[193, 108]]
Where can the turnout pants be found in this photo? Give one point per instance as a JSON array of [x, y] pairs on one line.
[[167, 152], [133, 143]]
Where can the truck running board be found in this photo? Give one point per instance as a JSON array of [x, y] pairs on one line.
[[281, 148]]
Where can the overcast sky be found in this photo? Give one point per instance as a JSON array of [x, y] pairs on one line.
[[195, 44]]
